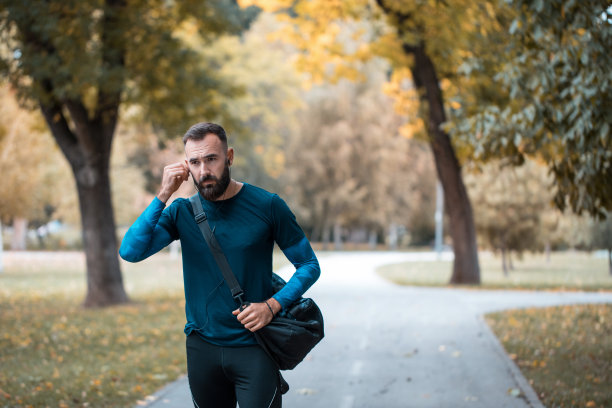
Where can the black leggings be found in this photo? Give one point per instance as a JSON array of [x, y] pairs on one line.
[[221, 376]]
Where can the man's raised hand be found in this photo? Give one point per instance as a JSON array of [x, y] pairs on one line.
[[174, 175]]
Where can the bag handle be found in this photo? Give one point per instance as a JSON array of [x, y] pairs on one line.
[[202, 221]]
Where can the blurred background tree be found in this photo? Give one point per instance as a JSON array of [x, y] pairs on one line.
[[602, 237], [79, 61], [547, 97], [30, 164], [466, 70], [424, 42], [511, 204], [354, 176]]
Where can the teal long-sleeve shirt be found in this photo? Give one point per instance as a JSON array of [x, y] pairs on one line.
[[246, 226]]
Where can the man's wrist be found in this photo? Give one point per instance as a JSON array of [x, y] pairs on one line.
[[163, 196], [274, 305]]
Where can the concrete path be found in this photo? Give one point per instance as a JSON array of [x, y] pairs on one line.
[[390, 346]]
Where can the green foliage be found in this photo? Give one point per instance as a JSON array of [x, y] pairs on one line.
[[83, 50], [553, 99]]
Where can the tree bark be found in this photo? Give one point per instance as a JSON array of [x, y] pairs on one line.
[[104, 280], [456, 201]]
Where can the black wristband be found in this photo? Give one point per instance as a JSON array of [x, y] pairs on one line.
[[267, 304]]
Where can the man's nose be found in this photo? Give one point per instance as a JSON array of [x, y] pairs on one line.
[[203, 170]]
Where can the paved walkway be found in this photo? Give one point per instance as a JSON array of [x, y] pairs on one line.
[[390, 346]]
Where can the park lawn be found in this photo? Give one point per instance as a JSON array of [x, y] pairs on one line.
[[55, 353], [564, 271], [565, 352]]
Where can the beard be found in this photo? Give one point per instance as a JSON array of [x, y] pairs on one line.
[[212, 192]]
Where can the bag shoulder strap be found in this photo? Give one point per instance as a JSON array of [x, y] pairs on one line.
[[202, 221]]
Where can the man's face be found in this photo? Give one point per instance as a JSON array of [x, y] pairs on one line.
[[208, 163]]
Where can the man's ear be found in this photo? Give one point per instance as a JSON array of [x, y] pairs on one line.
[[230, 156]]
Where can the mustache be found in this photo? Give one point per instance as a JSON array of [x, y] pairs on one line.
[[209, 177]]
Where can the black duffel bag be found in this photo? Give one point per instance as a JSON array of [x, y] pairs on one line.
[[290, 336]]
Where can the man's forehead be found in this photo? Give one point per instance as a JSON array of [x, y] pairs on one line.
[[210, 145]]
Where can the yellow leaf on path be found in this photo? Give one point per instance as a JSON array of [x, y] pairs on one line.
[[590, 404]]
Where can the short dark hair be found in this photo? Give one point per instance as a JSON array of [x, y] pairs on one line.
[[200, 130]]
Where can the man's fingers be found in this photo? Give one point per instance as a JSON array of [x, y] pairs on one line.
[[177, 169]]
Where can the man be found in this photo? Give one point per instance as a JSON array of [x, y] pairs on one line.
[[224, 363]]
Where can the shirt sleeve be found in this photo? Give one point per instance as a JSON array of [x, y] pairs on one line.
[[150, 233], [296, 247]]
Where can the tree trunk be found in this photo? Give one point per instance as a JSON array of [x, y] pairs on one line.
[[510, 264], [20, 232], [104, 281], [88, 150], [338, 237], [372, 239], [457, 203], [325, 238], [610, 260], [393, 238], [504, 263], [456, 200]]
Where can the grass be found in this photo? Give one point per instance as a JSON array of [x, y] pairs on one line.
[[54, 353], [565, 352], [564, 271]]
